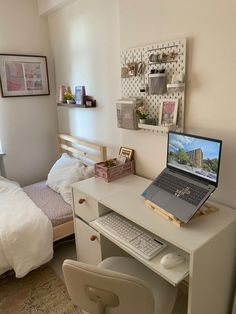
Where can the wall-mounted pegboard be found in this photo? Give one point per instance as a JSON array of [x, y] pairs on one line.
[[168, 55]]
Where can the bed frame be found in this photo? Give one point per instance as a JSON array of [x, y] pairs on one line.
[[90, 153]]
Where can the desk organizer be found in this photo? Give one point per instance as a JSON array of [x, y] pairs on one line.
[[115, 172], [204, 210]]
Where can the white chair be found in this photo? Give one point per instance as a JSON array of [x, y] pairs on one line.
[[118, 285]]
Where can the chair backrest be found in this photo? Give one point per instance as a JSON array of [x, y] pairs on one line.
[[97, 290]]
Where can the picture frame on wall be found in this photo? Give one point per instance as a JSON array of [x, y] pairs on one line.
[[23, 75], [80, 95], [168, 112]]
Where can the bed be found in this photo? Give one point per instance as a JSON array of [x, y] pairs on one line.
[[50, 202], [58, 212]]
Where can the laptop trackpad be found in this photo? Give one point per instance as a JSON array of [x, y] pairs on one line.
[[161, 198]]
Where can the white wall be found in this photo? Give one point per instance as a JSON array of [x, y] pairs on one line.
[[85, 42], [210, 109], [27, 124]]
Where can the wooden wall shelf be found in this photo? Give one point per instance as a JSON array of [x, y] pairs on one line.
[[61, 104]]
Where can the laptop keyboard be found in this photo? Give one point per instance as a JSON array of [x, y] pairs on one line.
[[187, 191]]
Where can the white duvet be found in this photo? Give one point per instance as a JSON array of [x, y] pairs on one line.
[[26, 235]]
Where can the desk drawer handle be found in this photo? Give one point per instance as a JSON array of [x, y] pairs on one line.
[[93, 238], [81, 200]]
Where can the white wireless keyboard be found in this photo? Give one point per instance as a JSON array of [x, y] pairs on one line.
[[136, 238]]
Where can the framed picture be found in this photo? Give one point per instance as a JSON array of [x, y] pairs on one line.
[[168, 112], [23, 75], [80, 95], [132, 69], [126, 152]]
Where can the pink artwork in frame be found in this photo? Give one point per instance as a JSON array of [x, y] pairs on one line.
[[23, 75], [168, 112]]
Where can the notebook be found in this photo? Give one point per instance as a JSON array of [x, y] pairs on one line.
[[190, 177]]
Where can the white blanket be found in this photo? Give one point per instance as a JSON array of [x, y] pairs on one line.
[[26, 235]]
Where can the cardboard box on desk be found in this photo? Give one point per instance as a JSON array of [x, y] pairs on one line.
[[114, 172]]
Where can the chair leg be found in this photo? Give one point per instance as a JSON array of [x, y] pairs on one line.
[[101, 308]]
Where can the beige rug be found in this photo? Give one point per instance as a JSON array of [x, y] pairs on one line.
[[41, 292]]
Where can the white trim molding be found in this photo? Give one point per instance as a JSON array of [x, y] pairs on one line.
[[46, 7]]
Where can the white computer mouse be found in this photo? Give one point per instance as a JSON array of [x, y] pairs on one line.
[[172, 260]]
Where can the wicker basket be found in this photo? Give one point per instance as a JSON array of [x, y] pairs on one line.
[[115, 172]]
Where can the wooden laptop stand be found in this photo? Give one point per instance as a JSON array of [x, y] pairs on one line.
[[204, 210]]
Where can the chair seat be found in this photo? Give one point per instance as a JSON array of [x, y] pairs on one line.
[[164, 293]]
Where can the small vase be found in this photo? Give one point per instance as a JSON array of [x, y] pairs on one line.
[[70, 101], [61, 93], [142, 121]]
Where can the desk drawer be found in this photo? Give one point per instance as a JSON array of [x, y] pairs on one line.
[[88, 243], [85, 206]]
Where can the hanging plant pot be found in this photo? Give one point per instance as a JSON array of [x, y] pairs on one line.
[[142, 121]]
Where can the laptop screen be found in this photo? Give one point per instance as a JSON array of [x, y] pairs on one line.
[[195, 155]]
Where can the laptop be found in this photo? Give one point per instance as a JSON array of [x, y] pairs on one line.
[[190, 177]]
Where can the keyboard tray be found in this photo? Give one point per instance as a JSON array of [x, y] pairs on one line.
[[133, 236]]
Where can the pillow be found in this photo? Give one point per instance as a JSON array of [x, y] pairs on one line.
[[77, 174], [61, 171], [66, 171], [88, 171]]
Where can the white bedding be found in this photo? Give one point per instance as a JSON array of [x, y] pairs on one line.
[[26, 234]]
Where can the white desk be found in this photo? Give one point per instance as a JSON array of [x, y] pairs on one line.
[[208, 242]]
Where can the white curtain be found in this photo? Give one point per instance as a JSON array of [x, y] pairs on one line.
[[1, 150], [2, 172]]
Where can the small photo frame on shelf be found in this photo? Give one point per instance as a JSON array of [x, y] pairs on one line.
[[126, 152], [168, 112], [80, 95], [23, 75]]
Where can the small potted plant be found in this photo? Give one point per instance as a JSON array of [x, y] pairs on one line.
[[69, 97], [110, 163], [142, 114]]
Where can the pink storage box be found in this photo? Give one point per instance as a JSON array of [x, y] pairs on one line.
[[115, 172]]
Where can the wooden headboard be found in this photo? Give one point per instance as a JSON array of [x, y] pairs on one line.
[[79, 148]]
